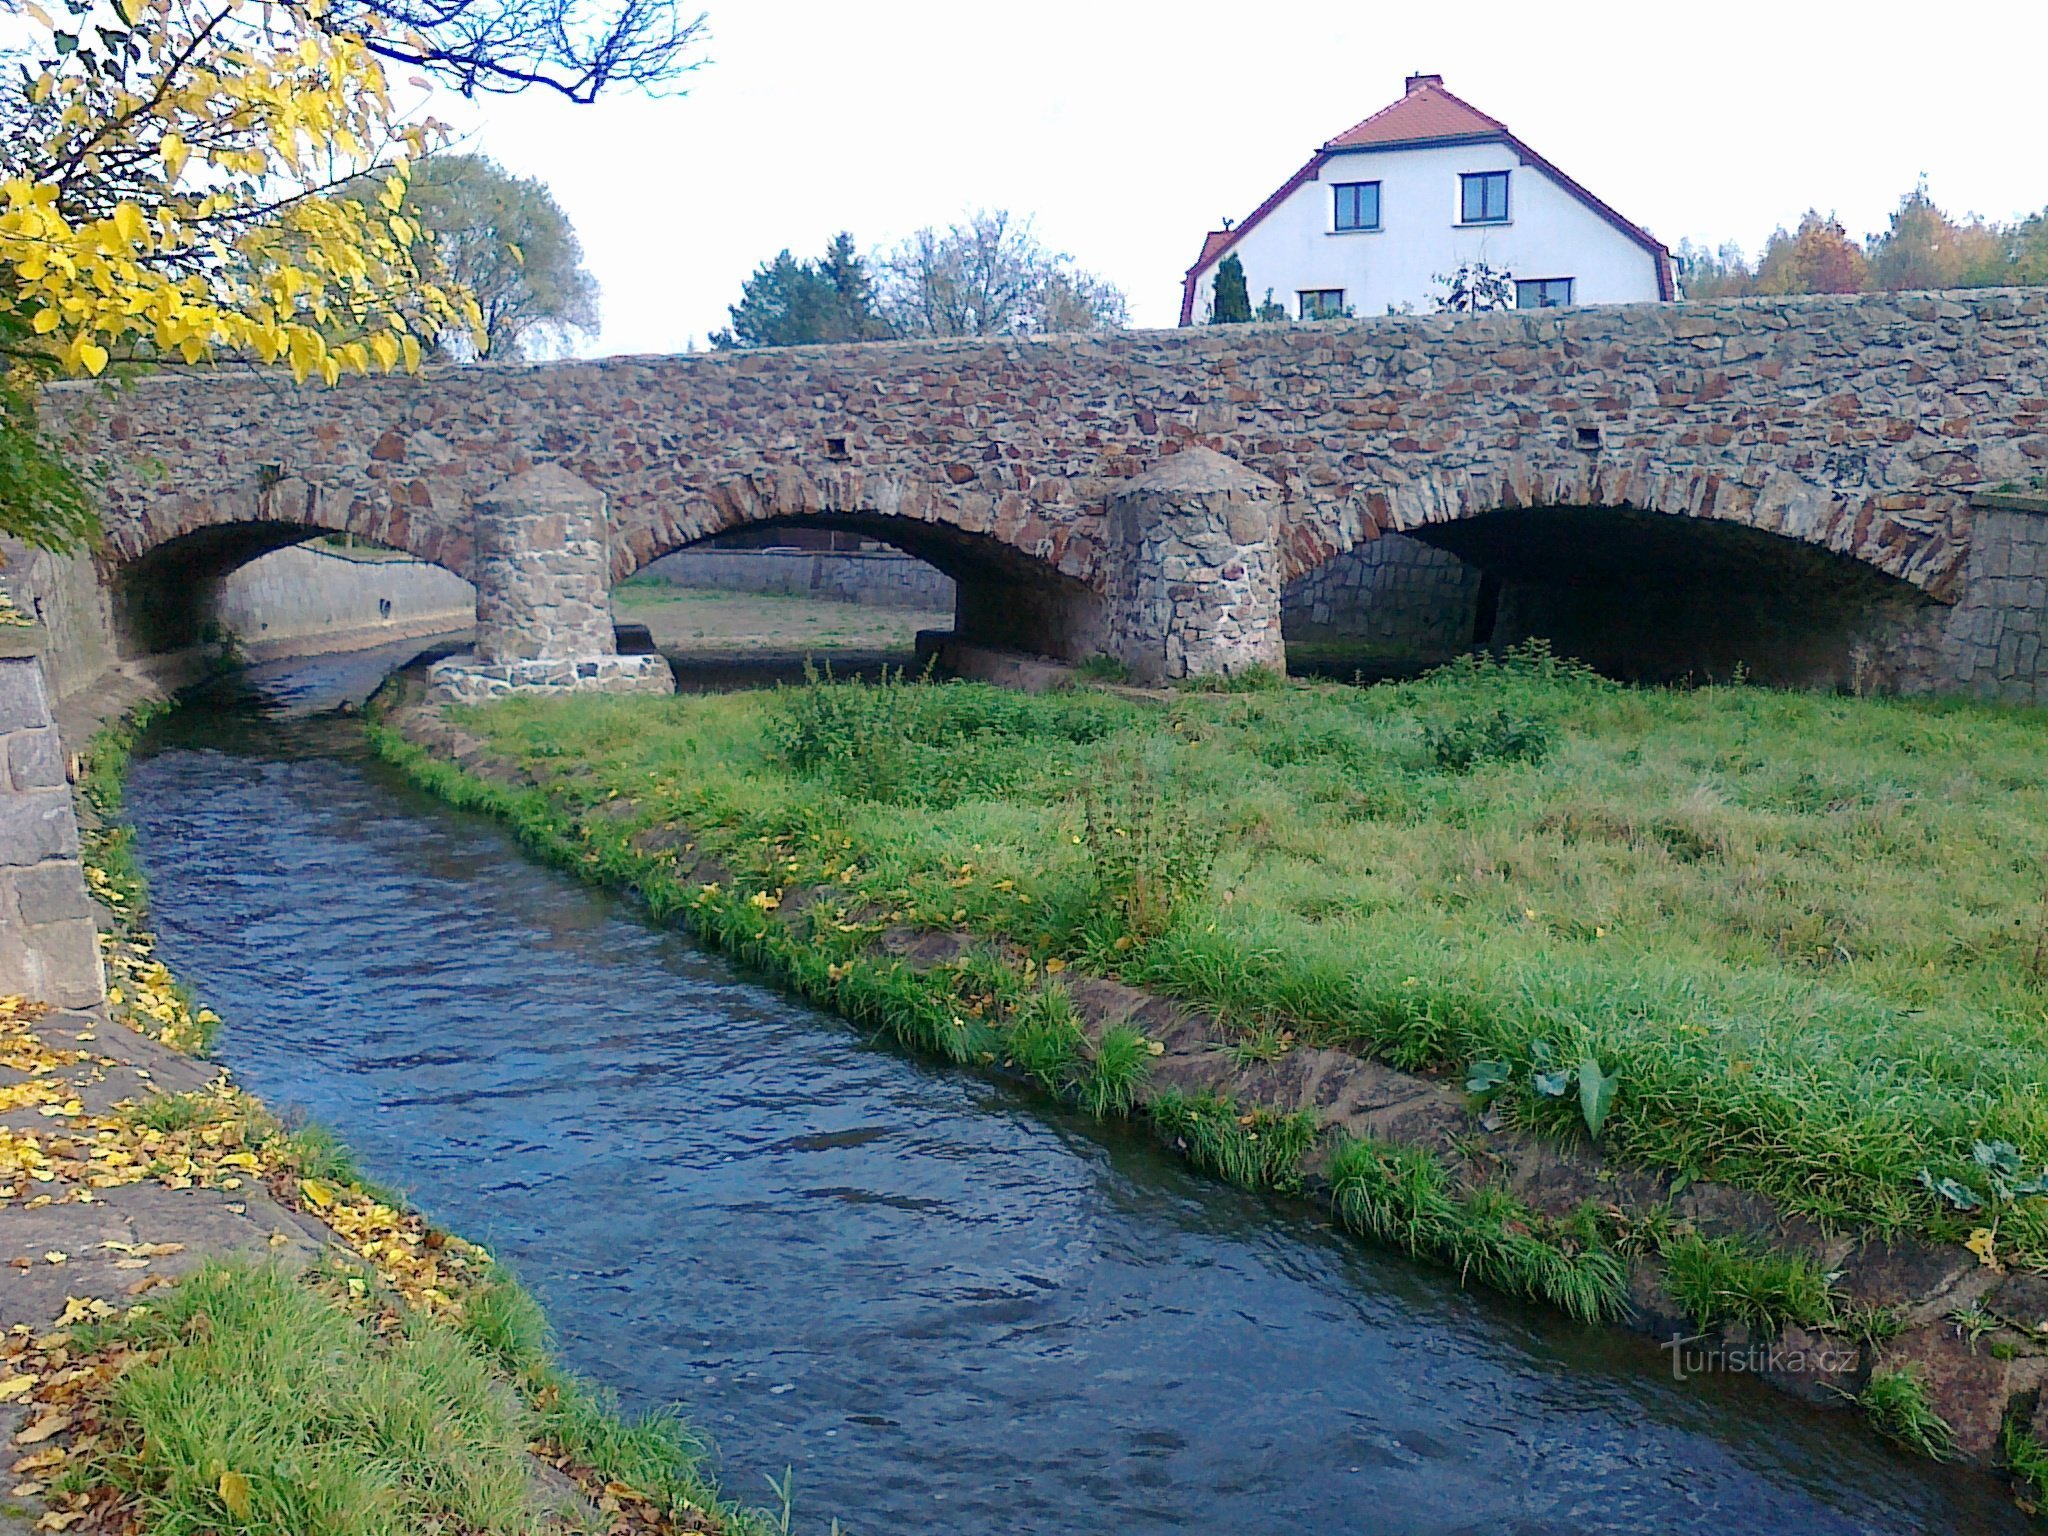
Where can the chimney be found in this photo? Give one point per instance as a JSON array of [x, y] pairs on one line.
[[1416, 82]]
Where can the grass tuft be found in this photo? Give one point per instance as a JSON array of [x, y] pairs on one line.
[[1896, 1403], [1723, 1280], [1404, 1197], [1109, 1083], [337, 1431], [1259, 1149]]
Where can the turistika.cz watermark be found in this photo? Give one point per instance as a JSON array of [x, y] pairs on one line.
[[1697, 1355]]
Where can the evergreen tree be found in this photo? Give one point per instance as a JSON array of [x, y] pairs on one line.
[[1233, 303], [792, 303]]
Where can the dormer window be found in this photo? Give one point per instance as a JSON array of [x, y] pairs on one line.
[[1483, 198], [1358, 206]]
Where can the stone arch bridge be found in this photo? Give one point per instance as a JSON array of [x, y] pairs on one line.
[[1807, 469]]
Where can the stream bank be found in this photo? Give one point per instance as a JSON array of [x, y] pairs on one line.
[[213, 1318], [943, 1303], [1400, 1157]]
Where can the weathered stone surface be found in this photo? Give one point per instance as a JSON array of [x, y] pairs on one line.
[[44, 893], [35, 825], [1969, 1387], [542, 569], [24, 706], [35, 759], [543, 601], [459, 680], [49, 945], [1857, 427]]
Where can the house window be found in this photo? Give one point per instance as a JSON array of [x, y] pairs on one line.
[[1322, 303], [1358, 205], [1543, 292], [1483, 198]]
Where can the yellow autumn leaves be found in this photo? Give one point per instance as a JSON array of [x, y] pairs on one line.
[[176, 197]]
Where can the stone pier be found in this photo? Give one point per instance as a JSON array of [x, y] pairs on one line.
[[542, 568], [49, 944], [1194, 569]]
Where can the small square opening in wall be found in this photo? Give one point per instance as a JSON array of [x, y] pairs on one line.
[[1589, 437], [835, 448]]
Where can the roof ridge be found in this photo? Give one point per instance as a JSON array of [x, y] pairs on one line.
[[1415, 96]]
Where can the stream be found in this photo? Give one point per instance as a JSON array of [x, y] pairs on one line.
[[945, 1306]]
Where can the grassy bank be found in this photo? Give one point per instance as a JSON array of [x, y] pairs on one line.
[[1796, 943], [403, 1382]]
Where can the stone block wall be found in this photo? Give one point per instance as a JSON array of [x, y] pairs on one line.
[[49, 944], [1994, 642], [1394, 597], [305, 600], [875, 578]]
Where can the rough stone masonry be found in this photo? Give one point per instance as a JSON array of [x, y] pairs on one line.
[[1856, 428], [49, 943]]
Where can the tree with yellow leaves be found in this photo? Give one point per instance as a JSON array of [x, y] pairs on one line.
[[169, 172]]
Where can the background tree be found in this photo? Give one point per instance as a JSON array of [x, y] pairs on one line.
[[791, 303], [1722, 273], [574, 47], [1473, 288], [1233, 301], [1925, 248], [1820, 258], [168, 172], [506, 240], [991, 276]]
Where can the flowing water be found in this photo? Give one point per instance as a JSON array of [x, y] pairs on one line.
[[944, 1306]]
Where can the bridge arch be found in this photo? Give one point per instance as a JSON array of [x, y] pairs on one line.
[[165, 572], [1651, 575], [1020, 582]]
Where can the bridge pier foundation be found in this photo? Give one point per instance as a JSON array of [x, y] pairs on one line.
[[542, 569], [1195, 569]]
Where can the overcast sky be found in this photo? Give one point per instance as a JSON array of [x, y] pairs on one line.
[[1127, 130]]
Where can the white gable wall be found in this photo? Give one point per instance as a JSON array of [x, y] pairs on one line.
[[1550, 233]]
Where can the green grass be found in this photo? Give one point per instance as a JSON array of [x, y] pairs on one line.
[[1259, 1149], [1895, 1401], [1722, 1280], [1405, 1198], [1807, 935], [337, 1431], [2025, 1456]]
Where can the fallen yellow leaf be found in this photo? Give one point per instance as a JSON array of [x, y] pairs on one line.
[[234, 1492]]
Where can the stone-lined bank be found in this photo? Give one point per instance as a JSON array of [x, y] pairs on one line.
[[1401, 1157]]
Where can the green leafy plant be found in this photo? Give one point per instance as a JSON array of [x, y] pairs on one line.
[[1495, 736], [1551, 1080], [1148, 856]]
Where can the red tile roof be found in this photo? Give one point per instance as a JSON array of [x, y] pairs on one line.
[[1426, 114]]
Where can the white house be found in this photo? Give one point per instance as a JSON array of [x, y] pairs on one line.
[[1417, 190]]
